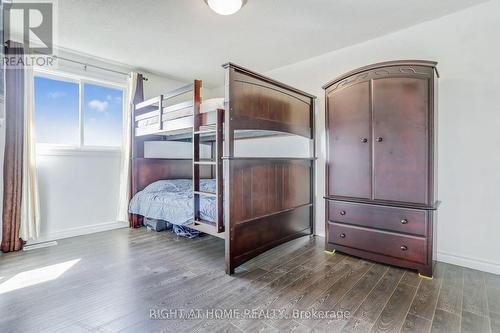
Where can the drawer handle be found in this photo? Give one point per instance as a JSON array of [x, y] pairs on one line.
[[379, 139], [342, 235], [404, 221], [342, 212], [404, 248], [364, 140]]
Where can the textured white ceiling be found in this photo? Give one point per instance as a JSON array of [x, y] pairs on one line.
[[186, 40]]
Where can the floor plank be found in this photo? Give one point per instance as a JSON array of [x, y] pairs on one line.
[[494, 322], [494, 300], [492, 280], [355, 325], [424, 303], [451, 293], [445, 322], [327, 300], [393, 315], [415, 324], [352, 300], [375, 302], [473, 323], [411, 278], [475, 299]]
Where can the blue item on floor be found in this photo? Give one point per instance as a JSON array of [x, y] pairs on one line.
[[185, 231]]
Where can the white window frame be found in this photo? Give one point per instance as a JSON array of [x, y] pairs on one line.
[[80, 148]]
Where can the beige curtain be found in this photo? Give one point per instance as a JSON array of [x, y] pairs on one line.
[[30, 206], [124, 194]]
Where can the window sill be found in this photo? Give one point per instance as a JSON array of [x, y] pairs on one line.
[[53, 150]]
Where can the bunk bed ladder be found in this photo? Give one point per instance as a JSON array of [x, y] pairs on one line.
[[215, 163]]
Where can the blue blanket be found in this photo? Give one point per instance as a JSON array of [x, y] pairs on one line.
[[172, 201]]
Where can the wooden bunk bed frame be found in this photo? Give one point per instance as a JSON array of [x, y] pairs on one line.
[[261, 202]]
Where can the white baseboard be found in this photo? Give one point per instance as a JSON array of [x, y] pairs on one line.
[[37, 246], [78, 231], [322, 235], [474, 263]]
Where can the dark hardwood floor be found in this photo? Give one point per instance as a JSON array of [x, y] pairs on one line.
[[115, 281]]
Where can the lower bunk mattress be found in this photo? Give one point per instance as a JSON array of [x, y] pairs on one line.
[[172, 201]]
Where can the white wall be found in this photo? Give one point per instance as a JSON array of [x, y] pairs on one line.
[[466, 46], [157, 85], [78, 192]]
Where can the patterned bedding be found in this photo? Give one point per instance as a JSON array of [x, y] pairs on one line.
[[172, 201]]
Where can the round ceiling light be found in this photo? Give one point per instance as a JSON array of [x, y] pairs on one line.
[[225, 7]]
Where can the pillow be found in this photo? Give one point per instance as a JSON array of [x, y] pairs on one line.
[[170, 185]]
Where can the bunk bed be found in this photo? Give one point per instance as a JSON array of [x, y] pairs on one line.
[[258, 202]]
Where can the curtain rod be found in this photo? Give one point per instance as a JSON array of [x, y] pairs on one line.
[[97, 67], [85, 65]]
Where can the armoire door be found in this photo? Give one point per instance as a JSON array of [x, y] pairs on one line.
[[401, 139], [349, 145]]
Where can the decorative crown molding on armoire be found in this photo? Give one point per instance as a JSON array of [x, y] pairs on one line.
[[381, 194]]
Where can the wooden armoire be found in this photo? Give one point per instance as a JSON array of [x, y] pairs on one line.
[[381, 163]]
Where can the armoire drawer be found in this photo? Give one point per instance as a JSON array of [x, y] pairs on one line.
[[410, 221], [380, 242]]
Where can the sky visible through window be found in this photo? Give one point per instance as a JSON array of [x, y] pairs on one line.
[[103, 116], [57, 113]]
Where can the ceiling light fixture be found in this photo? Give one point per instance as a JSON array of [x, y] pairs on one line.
[[225, 7]]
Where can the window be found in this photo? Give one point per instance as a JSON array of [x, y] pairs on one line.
[[77, 113], [57, 111], [103, 116]]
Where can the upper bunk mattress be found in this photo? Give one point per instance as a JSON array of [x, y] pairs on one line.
[[172, 201]]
